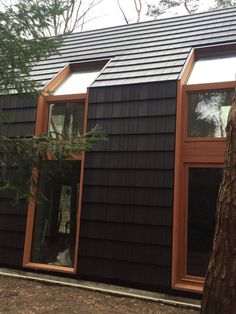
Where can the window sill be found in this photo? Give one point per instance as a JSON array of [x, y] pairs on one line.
[[53, 268], [189, 283]]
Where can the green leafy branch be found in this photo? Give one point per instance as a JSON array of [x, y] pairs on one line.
[[22, 157]]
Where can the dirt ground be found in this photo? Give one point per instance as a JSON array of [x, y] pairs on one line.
[[18, 296]]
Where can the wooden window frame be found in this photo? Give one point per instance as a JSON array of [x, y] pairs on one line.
[[44, 101], [186, 281], [190, 151]]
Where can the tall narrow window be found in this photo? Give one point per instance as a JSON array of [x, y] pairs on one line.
[[205, 99], [203, 184], [55, 222], [52, 234]]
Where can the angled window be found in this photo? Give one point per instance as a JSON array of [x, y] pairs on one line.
[[76, 82], [52, 233], [213, 69], [205, 96]]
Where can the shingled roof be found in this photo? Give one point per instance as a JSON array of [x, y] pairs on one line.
[[142, 52]]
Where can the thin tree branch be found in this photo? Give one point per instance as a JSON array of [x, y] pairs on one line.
[[190, 9], [122, 11], [70, 15], [138, 8], [88, 21], [82, 17]]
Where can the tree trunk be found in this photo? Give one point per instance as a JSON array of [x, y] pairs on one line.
[[219, 294]]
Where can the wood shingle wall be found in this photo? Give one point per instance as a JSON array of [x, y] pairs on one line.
[[126, 223], [20, 111]]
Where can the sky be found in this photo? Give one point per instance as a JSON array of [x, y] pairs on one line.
[[109, 15]]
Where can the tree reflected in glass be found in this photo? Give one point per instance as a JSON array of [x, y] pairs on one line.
[[208, 113], [66, 120]]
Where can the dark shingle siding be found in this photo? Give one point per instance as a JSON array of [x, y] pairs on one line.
[[12, 232], [126, 222], [21, 112], [11, 257], [116, 160], [145, 52], [129, 178], [126, 272], [142, 215]]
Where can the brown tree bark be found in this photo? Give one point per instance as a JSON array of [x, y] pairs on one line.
[[219, 296]]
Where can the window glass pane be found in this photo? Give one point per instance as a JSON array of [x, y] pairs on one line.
[[212, 70], [76, 83], [202, 196], [54, 231], [66, 120], [208, 113]]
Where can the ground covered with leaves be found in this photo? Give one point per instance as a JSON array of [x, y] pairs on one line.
[[28, 297]]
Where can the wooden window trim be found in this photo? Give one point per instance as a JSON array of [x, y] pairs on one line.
[[222, 49], [181, 279], [208, 86], [198, 88], [30, 226], [41, 127], [43, 105], [188, 152]]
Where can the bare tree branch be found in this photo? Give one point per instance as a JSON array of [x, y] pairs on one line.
[[138, 4], [138, 8], [122, 11], [69, 12], [186, 6], [190, 5], [78, 17], [66, 16], [88, 21]]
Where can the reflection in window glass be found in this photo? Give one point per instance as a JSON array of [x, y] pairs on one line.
[[208, 113], [66, 120], [54, 231], [203, 190], [76, 83], [212, 70]]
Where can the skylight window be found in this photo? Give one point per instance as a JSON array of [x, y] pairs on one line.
[[213, 70], [76, 83]]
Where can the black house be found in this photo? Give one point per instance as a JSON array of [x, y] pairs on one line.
[[139, 210]]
